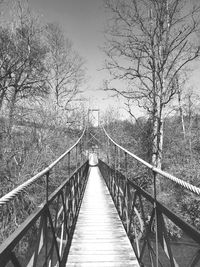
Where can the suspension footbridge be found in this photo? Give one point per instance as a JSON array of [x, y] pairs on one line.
[[98, 216]]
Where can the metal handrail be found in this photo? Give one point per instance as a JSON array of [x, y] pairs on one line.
[[9, 196], [55, 218], [183, 183], [147, 221]]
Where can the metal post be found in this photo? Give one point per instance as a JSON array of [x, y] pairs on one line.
[[76, 157], [84, 144], [118, 159], [108, 151], [126, 166], [117, 177], [69, 164], [81, 152], [115, 172], [115, 162], [156, 218], [47, 186], [126, 191], [98, 118], [46, 220]]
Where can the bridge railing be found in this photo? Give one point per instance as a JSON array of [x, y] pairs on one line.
[[44, 238], [148, 222]]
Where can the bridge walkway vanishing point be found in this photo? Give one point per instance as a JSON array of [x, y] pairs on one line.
[[99, 238]]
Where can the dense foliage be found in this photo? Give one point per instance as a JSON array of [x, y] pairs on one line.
[[180, 158], [35, 127]]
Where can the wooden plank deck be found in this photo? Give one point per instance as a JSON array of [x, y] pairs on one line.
[[99, 238]]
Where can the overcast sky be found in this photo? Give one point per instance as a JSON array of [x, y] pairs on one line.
[[83, 22]]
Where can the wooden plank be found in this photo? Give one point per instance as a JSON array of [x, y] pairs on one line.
[[98, 252], [100, 258], [99, 238], [103, 264]]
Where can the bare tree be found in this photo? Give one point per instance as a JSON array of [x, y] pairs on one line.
[[23, 72], [7, 61], [149, 42], [65, 66]]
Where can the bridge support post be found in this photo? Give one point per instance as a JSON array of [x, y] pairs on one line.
[[108, 152], [69, 164], [115, 174], [47, 186], [46, 219], [76, 157], [126, 192], [81, 151], [156, 216], [118, 181]]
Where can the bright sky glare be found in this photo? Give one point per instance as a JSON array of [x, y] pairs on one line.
[[83, 21]]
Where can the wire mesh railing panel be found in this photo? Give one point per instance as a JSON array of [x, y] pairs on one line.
[[45, 236], [159, 237], [25, 198]]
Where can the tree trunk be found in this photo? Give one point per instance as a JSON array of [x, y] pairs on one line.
[[2, 96], [157, 142], [181, 114], [11, 113]]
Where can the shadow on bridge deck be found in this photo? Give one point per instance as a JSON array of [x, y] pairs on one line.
[[99, 238]]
